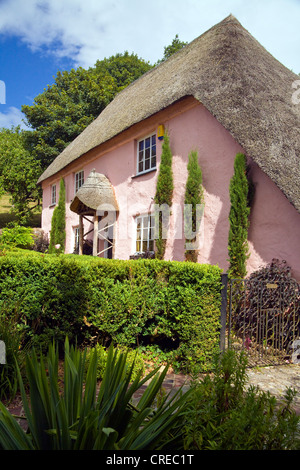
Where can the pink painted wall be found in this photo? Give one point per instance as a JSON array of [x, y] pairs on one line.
[[275, 224]]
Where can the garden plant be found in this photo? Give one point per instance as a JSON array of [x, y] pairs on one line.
[[75, 415]]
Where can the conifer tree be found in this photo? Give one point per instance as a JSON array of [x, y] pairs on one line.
[[193, 200], [164, 194], [238, 219], [58, 222]]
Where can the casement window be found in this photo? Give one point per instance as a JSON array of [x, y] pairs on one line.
[[146, 154], [79, 180], [53, 195], [145, 233]]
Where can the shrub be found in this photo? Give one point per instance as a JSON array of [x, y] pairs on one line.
[[17, 236], [222, 415], [282, 303], [238, 219], [164, 194], [194, 198], [41, 241], [134, 360], [171, 304], [12, 337], [58, 223]]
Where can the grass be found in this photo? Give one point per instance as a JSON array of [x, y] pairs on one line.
[[7, 216]]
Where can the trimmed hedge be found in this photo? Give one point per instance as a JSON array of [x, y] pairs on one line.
[[174, 305]]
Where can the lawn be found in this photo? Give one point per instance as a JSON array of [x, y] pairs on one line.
[[6, 215]]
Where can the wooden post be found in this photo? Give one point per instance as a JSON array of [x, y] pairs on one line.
[[80, 234], [95, 241]]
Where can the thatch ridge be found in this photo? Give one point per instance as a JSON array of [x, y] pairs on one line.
[[237, 80]]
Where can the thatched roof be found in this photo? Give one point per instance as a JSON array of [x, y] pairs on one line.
[[237, 80], [96, 193]]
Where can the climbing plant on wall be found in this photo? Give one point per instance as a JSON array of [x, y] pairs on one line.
[[193, 205], [58, 223], [163, 196], [238, 219]]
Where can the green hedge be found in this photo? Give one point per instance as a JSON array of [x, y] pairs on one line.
[[171, 304]]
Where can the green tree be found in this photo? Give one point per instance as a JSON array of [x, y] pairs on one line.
[[238, 219], [58, 223], [175, 46], [74, 100], [193, 202], [19, 172], [163, 196]]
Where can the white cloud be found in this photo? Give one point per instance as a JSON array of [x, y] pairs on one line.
[[12, 117], [90, 30]]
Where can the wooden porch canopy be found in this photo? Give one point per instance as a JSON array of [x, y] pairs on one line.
[[93, 198]]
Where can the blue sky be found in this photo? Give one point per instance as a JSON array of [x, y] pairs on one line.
[[40, 37]]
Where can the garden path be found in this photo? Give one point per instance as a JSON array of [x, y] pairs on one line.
[[275, 379]]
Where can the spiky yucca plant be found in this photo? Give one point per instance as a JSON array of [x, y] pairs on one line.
[[79, 418]]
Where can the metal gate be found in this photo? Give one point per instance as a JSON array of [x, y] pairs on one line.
[[263, 319]]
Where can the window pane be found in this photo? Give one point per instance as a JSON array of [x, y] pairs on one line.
[[152, 227], [146, 151], [151, 245], [145, 246], [145, 233], [138, 246]]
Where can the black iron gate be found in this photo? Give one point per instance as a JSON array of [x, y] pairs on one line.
[[263, 319]]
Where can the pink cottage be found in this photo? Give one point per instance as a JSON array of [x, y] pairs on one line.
[[220, 95]]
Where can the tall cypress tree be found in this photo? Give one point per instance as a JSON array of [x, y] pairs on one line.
[[164, 194], [238, 219], [58, 222], [193, 198]]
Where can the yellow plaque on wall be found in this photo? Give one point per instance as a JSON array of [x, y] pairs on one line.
[[160, 131]]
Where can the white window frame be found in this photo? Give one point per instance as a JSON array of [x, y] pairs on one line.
[[79, 180], [53, 195], [146, 229], [76, 237], [141, 154]]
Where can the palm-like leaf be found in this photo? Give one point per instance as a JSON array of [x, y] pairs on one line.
[[78, 417]]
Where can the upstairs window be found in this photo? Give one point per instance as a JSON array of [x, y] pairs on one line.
[[53, 195], [79, 180], [144, 233], [146, 157]]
